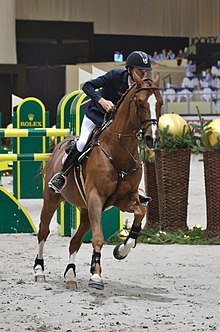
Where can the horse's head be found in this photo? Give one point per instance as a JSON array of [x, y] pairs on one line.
[[148, 102]]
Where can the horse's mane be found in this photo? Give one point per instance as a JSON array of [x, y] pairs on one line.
[[124, 95], [148, 80], [111, 115]]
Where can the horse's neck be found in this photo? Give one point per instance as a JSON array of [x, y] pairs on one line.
[[119, 138], [122, 122]]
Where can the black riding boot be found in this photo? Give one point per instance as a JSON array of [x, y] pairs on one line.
[[58, 181]]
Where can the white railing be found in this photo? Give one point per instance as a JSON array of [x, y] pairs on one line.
[[184, 100]]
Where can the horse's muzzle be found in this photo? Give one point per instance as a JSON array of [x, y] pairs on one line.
[[149, 141]]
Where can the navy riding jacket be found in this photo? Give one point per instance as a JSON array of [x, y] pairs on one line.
[[112, 85]]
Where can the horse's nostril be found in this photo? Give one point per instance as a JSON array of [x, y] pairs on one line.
[[149, 141]]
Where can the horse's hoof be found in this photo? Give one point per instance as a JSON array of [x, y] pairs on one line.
[[40, 278], [71, 285], [96, 282], [116, 252]]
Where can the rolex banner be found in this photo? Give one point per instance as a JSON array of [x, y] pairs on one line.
[[27, 183]]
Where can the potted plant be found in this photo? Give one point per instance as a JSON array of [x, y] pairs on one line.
[[172, 161], [210, 146]]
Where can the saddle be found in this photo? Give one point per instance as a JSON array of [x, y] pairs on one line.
[[92, 141]]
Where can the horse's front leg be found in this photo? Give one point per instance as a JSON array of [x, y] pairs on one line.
[[50, 205], [95, 205], [121, 250], [75, 244]]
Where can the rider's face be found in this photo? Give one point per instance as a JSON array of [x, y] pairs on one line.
[[142, 73]]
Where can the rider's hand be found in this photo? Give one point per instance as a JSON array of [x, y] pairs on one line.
[[106, 104]]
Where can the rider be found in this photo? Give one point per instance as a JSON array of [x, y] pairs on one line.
[[112, 85]]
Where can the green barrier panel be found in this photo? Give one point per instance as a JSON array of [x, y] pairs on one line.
[[14, 218], [27, 179], [63, 110], [76, 113], [112, 222], [66, 211]]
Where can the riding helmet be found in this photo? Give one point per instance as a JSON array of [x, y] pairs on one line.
[[138, 59]]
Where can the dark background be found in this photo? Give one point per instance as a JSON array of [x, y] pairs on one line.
[[45, 47]]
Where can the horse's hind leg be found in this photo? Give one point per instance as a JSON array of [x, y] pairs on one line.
[[75, 244], [121, 250], [50, 205]]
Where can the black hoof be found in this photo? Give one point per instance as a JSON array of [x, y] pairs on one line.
[[116, 252]]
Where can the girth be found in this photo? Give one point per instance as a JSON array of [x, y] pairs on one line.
[[121, 173]]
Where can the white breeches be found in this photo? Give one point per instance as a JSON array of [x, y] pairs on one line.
[[86, 129]]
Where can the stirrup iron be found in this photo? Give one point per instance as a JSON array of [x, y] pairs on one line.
[[52, 186]]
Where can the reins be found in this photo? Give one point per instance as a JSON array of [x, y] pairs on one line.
[[137, 134]]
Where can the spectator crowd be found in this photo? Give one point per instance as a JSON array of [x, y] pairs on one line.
[[205, 83]]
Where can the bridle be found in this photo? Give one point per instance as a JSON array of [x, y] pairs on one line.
[[138, 134], [141, 121]]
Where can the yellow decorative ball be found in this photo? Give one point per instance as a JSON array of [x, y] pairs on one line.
[[214, 127], [175, 124]]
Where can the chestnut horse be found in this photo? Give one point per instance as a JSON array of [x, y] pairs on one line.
[[112, 175]]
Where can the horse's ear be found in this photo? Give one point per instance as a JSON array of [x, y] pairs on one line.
[[157, 79], [137, 79]]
